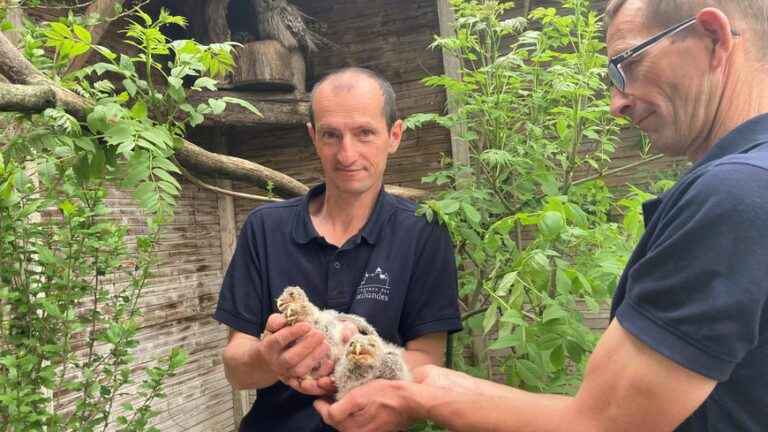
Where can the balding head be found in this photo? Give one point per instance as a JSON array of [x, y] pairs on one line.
[[747, 16], [352, 78]]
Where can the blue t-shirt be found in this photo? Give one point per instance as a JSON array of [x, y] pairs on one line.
[[398, 272], [695, 289]]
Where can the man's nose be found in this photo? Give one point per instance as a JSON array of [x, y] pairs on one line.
[[621, 103], [347, 153]]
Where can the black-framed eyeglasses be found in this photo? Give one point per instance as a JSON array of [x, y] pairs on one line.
[[616, 72]]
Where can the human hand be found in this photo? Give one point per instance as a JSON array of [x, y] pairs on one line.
[[378, 406], [292, 352]]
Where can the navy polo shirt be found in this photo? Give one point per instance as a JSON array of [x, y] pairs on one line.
[[695, 289], [398, 272]]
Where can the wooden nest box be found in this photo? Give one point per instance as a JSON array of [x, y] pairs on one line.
[[268, 65], [262, 65]]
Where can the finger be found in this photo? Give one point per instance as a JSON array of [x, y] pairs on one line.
[[275, 322], [275, 345], [346, 407], [310, 387], [325, 369], [347, 331], [306, 386], [321, 406], [327, 384], [306, 355]]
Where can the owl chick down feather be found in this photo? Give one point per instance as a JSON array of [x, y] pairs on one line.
[[365, 357]]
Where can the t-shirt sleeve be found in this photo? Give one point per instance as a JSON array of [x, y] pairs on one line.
[[244, 304], [432, 305], [698, 295]]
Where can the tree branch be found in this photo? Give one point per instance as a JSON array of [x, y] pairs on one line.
[[26, 98], [196, 181], [19, 70], [618, 170]]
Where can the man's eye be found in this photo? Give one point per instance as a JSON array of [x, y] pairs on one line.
[[329, 135], [366, 132]]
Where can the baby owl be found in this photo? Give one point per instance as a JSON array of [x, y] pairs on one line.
[[285, 23], [365, 357]]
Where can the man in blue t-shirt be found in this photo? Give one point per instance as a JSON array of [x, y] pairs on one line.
[[351, 246], [687, 348]]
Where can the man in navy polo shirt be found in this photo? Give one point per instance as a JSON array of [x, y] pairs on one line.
[[351, 246], [687, 349]]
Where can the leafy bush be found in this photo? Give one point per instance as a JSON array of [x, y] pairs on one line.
[[70, 281], [535, 245]]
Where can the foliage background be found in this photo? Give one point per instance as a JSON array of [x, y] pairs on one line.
[[540, 238], [68, 329]]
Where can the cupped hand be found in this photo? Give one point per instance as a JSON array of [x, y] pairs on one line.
[[293, 352]]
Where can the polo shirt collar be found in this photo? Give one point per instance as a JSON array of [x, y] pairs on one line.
[[304, 231], [745, 138]]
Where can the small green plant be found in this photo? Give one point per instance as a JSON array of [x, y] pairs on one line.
[[70, 281], [535, 245]]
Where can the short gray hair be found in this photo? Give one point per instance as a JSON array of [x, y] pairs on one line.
[[752, 14], [389, 108]]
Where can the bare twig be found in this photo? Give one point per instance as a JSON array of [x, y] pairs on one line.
[[618, 170], [197, 182]]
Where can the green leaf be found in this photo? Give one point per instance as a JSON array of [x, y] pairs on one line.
[[553, 312], [490, 317], [178, 359], [506, 341], [242, 103], [167, 177], [514, 317], [139, 110], [562, 282], [166, 165], [119, 134], [67, 207], [506, 282], [217, 106], [205, 83], [557, 357], [82, 33], [472, 214], [552, 224], [449, 206], [528, 372]]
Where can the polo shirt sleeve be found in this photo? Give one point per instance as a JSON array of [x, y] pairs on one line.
[[432, 305], [698, 295], [244, 304]]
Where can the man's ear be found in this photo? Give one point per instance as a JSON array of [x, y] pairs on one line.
[[311, 130], [717, 27], [395, 136]]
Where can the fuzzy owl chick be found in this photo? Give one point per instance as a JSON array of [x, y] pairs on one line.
[[365, 357], [294, 304], [285, 23]]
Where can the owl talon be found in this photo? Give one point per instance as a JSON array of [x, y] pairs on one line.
[[294, 305]]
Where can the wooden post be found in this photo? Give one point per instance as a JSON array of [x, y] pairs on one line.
[[242, 400], [14, 15], [105, 10], [452, 67], [264, 65]]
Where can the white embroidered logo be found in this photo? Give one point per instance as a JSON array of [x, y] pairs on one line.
[[374, 286]]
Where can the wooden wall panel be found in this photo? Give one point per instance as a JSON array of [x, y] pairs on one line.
[[177, 304], [391, 37]]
